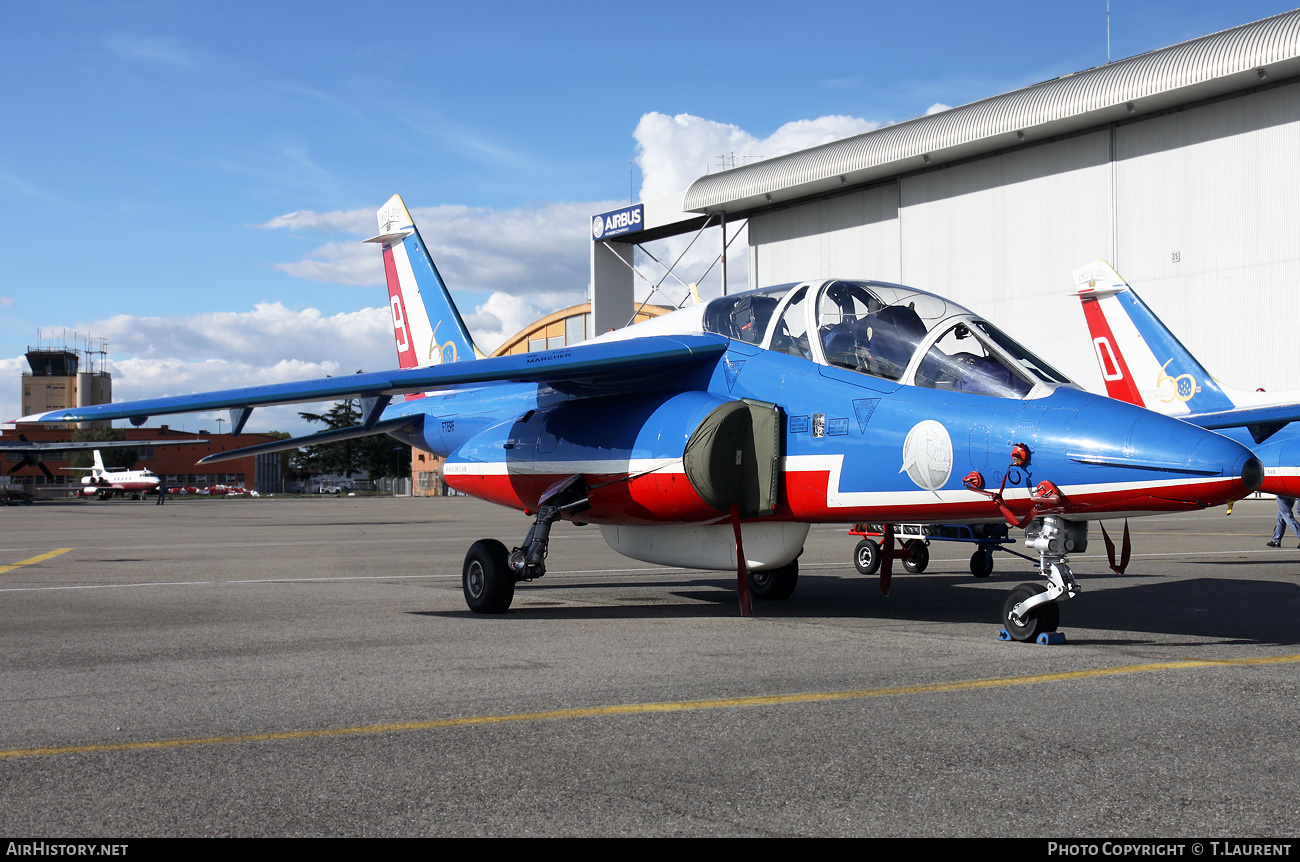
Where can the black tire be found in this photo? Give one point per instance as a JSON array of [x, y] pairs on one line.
[[918, 556], [1044, 618], [486, 579], [981, 563], [866, 557], [774, 584]]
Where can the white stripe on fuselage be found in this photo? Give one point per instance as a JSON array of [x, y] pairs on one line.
[[838, 499], [832, 465]]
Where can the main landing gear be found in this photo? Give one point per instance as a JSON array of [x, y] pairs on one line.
[[774, 584], [490, 572], [1032, 609]]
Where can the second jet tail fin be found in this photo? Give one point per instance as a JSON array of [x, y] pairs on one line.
[[1141, 361]]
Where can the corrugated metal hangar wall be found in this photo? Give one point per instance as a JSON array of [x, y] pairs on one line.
[[1181, 167], [1198, 209]]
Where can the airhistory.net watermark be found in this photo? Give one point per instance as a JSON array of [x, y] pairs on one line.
[[41, 848]]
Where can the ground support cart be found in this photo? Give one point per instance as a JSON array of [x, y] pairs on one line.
[[916, 538]]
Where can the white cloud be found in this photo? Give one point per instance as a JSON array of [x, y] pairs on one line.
[[10, 370], [271, 344], [154, 357], [156, 378], [937, 108], [540, 254], [504, 315], [522, 252], [675, 151], [23, 187], [268, 333], [158, 49], [351, 221]]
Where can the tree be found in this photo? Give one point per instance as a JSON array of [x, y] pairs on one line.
[[377, 455], [114, 459]]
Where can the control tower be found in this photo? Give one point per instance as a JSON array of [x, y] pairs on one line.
[[62, 376]]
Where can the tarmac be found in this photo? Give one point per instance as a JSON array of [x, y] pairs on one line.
[[304, 667]]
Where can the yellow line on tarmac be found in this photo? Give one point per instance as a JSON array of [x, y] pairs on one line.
[[41, 558], [641, 708]]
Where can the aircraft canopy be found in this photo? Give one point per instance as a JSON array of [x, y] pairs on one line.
[[885, 330]]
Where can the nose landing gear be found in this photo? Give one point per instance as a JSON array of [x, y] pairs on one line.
[[1032, 609]]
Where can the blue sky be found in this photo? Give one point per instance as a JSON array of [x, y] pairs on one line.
[[189, 180]]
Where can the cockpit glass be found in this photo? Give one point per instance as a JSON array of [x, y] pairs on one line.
[[875, 328], [882, 329], [842, 312], [1027, 360], [960, 362], [790, 336], [745, 316]]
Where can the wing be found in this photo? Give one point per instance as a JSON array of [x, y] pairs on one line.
[[49, 448], [612, 364], [1262, 421]]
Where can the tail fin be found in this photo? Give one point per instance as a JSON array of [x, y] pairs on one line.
[[408, 268], [1141, 361], [98, 469]]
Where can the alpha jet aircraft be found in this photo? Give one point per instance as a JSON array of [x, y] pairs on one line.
[[714, 436], [1143, 363]]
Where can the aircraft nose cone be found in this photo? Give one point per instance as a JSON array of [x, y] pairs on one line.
[[1252, 475], [1186, 466]]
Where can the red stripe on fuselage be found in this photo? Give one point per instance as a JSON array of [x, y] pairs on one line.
[[1287, 486], [651, 498]]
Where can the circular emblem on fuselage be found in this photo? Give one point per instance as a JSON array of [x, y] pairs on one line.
[[597, 227], [927, 455]]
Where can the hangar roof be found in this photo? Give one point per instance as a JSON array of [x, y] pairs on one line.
[[1232, 60]]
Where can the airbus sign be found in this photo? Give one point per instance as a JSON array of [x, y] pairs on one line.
[[609, 224]]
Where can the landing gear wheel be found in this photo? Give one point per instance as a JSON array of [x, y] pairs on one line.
[[918, 556], [1044, 618], [486, 578], [981, 563], [774, 584], [866, 557]]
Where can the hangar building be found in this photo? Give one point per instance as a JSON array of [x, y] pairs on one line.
[[1180, 166]]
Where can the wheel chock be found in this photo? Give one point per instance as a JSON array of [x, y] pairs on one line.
[[1046, 638]]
